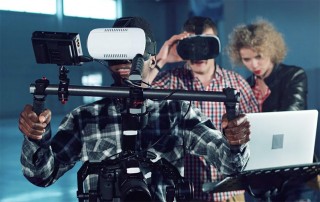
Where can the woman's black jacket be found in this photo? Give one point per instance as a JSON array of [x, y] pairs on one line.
[[289, 88]]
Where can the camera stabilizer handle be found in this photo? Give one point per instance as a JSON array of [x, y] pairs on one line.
[[41, 85], [39, 95], [229, 95]]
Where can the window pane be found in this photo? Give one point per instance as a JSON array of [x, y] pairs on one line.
[[91, 79], [101, 9], [30, 6]]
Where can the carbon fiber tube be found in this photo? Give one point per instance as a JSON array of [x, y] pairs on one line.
[[148, 93]]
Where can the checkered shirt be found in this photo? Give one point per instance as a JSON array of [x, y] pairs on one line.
[[197, 169], [93, 133]]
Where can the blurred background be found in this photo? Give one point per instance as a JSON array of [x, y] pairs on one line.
[[298, 20]]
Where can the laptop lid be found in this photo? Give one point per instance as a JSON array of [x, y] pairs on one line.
[[281, 138]]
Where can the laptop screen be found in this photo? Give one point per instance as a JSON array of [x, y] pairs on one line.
[[281, 138]]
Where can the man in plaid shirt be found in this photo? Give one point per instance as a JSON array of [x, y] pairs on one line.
[[93, 132], [203, 75]]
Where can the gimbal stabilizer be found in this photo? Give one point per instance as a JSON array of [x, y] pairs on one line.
[[119, 178], [113, 172]]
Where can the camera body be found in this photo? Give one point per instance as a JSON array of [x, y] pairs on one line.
[[122, 180], [124, 183]]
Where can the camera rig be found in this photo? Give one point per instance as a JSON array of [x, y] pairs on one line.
[[115, 181], [120, 177]]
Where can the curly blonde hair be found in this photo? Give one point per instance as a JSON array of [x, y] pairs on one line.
[[261, 36]]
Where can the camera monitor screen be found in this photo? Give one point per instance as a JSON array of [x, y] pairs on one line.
[[59, 48]]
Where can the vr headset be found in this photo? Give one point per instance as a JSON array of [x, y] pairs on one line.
[[119, 44], [199, 47]]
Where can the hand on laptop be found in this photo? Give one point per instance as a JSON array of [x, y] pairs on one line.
[[237, 131]]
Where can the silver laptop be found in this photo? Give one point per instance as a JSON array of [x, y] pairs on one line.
[[282, 138]]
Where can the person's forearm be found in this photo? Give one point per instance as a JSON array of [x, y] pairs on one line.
[[37, 163], [154, 72]]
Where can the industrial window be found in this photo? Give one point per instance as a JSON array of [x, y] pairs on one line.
[[30, 6], [98, 9], [91, 79]]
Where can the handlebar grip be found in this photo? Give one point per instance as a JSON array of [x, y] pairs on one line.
[[38, 106], [232, 110], [231, 114], [39, 95]]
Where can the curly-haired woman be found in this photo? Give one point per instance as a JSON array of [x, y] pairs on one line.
[[261, 49], [277, 86]]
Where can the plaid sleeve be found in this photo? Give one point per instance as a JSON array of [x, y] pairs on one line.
[[248, 102], [162, 80], [37, 161], [204, 140], [41, 164]]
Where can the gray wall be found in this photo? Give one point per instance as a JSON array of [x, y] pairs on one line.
[[299, 20]]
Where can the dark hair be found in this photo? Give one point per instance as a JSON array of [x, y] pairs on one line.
[[198, 24], [139, 22]]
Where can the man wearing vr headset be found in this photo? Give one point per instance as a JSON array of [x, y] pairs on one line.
[[198, 46], [93, 131]]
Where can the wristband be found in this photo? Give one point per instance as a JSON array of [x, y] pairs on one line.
[[158, 68]]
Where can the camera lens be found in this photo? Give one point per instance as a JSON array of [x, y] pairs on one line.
[[184, 191], [135, 189]]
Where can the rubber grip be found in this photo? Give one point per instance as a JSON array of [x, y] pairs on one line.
[[38, 106]]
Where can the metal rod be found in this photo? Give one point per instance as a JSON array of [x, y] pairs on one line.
[[148, 93]]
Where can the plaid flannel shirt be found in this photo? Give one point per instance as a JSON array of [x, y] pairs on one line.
[[197, 169], [260, 96], [93, 133]]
